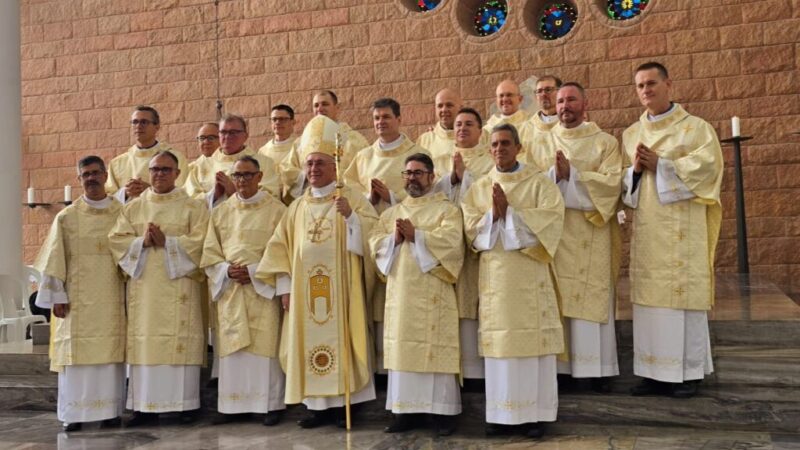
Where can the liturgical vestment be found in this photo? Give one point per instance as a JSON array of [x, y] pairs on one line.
[[248, 316], [676, 223], [277, 150], [534, 134], [520, 329], [304, 247], [587, 260], [165, 339], [134, 163], [87, 347], [420, 340]]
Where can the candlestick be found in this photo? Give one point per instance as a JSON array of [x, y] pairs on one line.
[[67, 193], [735, 129], [31, 195]]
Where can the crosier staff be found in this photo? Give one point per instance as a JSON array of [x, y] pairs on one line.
[[342, 270]]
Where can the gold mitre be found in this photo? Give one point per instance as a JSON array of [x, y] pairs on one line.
[[319, 136]]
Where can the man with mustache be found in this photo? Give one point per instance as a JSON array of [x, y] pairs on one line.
[[247, 310], [157, 242], [375, 172], [673, 184], [418, 247], [586, 165], [127, 173], [469, 161], [514, 217], [302, 262], [82, 286], [210, 178]]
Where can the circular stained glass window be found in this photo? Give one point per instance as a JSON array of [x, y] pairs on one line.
[[490, 17], [557, 20], [625, 9], [427, 5]]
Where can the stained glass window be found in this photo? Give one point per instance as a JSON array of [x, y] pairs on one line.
[[625, 9], [427, 5], [557, 20], [490, 17]]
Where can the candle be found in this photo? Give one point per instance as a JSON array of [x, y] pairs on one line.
[[735, 130], [67, 193], [31, 195]]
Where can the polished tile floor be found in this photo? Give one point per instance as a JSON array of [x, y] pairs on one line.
[[31, 430]]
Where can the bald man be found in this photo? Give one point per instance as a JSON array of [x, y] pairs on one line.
[[508, 100], [440, 140]]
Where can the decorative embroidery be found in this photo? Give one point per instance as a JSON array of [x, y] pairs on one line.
[[321, 360]]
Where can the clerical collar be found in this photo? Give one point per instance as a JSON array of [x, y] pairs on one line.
[[663, 115], [548, 119], [503, 116], [516, 168], [165, 193], [277, 142], [146, 148], [254, 199], [98, 204], [323, 191], [391, 145]]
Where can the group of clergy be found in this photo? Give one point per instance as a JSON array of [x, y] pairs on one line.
[[481, 252]]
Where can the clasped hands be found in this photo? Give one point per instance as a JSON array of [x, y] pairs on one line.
[[154, 237], [239, 274], [457, 174], [134, 188], [562, 166], [379, 191], [223, 185], [499, 203], [403, 231], [645, 159]]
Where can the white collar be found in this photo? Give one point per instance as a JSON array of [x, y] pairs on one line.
[[98, 204], [548, 119], [141, 149], [516, 169], [323, 191], [658, 117], [391, 145], [166, 193], [277, 142], [259, 195]]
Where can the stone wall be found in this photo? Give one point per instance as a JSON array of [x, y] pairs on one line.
[[85, 63]]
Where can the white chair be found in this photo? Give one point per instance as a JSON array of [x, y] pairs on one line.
[[14, 318]]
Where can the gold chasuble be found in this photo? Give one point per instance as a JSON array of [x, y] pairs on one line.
[[203, 174], [534, 134], [238, 233], [277, 151], [478, 163], [673, 244], [164, 315], [518, 312], [76, 252], [439, 142], [304, 246], [421, 318], [587, 260], [292, 165], [135, 162]]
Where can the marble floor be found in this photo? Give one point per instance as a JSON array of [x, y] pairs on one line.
[[30, 430]]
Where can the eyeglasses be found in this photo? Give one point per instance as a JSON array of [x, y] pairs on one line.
[[246, 176], [91, 174], [280, 119], [311, 164], [407, 174], [210, 138], [142, 122], [161, 170], [230, 133], [546, 90]]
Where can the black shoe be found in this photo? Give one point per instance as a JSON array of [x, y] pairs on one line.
[[222, 419], [212, 383], [445, 425], [474, 385], [535, 430], [70, 427], [188, 417], [139, 419], [340, 416], [566, 383], [400, 423], [687, 389], [601, 385], [111, 423], [649, 387], [272, 418], [315, 419], [496, 429]]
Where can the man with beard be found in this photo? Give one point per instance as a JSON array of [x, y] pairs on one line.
[[418, 247], [82, 285]]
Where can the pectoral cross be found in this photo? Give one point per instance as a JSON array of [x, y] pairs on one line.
[[315, 235]]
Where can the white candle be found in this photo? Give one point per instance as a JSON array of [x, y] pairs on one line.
[[67, 193], [735, 130], [31, 195]]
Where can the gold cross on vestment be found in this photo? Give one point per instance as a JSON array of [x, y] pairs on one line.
[[320, 227], [680, 236], [180, 348], [687, 128], [678, 291]]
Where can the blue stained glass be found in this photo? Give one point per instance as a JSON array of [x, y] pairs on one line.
[[490, 17], [625, 9], [427, 5], [557, 20]]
